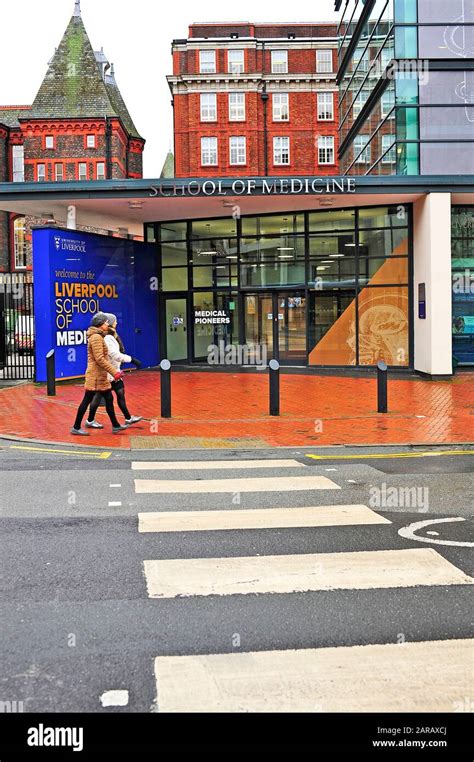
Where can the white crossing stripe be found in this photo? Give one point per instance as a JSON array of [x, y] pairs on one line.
[[213, 465], [360, 570], [269, 484], [262, 518], [429, 676]]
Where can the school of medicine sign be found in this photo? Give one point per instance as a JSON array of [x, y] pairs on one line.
[[284, 186]]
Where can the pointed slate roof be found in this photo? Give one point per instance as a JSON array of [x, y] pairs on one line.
[[118, 104], [73, 86], [168, 167], [9, 115]]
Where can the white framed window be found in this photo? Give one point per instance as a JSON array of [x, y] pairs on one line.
[[281, 107], [386, 56], [279, 62], [49, 141], [361, 60], [100, 170], [359, 143], [281, 151], [207, 61], [359, 103], [391, 155], [19, 243], [324, 61], [18, 159], [209, 152], [387, 101], [208, 107], [326, 149], [237, 107], [41, 173], [238, 150], [91, 141], [235, 61], [82, 171], [325, 107], [59, 172]]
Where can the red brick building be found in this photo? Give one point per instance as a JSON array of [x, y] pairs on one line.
[[255, 99], [78, 128]]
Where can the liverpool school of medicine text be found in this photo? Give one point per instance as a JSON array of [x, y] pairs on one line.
[[370, 269]]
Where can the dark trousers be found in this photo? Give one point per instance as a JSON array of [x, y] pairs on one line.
[[109, 406], [119, 389]]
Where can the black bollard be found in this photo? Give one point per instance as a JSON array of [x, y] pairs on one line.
[[51, 373], [382, 395], [274, 366], [165, 368]]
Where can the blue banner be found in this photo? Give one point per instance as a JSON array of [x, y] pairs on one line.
[[79, 274]]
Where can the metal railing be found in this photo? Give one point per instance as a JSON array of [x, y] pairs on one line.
[[17, 328]]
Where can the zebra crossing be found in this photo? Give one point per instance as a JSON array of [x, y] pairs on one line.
[[300, 573], [380, 678], [247, 484], [413, 676]]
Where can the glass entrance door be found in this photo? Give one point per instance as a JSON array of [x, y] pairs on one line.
[[258, 312], [276, 323], [176, 329], [291, 325]]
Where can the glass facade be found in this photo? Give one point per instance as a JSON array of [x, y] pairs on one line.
[[371, 54], [317, 288], [422, 119], [462, 251]]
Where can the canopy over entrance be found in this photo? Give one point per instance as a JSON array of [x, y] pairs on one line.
[[128, 204]]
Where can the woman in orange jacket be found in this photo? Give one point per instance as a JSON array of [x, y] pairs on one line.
[[98, 366]]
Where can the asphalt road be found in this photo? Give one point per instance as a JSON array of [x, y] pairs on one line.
[[77, 618]]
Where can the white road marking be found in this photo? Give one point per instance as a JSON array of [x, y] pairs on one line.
[[429, 676], [264, 518], [361, 570], [410, 533], [114, 698], [115, 485], [203, 465], [269, 484], [115, 505]]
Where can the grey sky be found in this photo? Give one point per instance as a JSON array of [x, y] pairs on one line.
[[136, 37]]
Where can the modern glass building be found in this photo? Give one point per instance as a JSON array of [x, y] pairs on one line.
[[406, 86], [327, 288], [406, 101]]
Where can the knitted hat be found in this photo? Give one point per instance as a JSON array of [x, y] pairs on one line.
[[111, 318], [99, 319]]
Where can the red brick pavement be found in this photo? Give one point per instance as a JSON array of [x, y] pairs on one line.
[[315, 410]]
